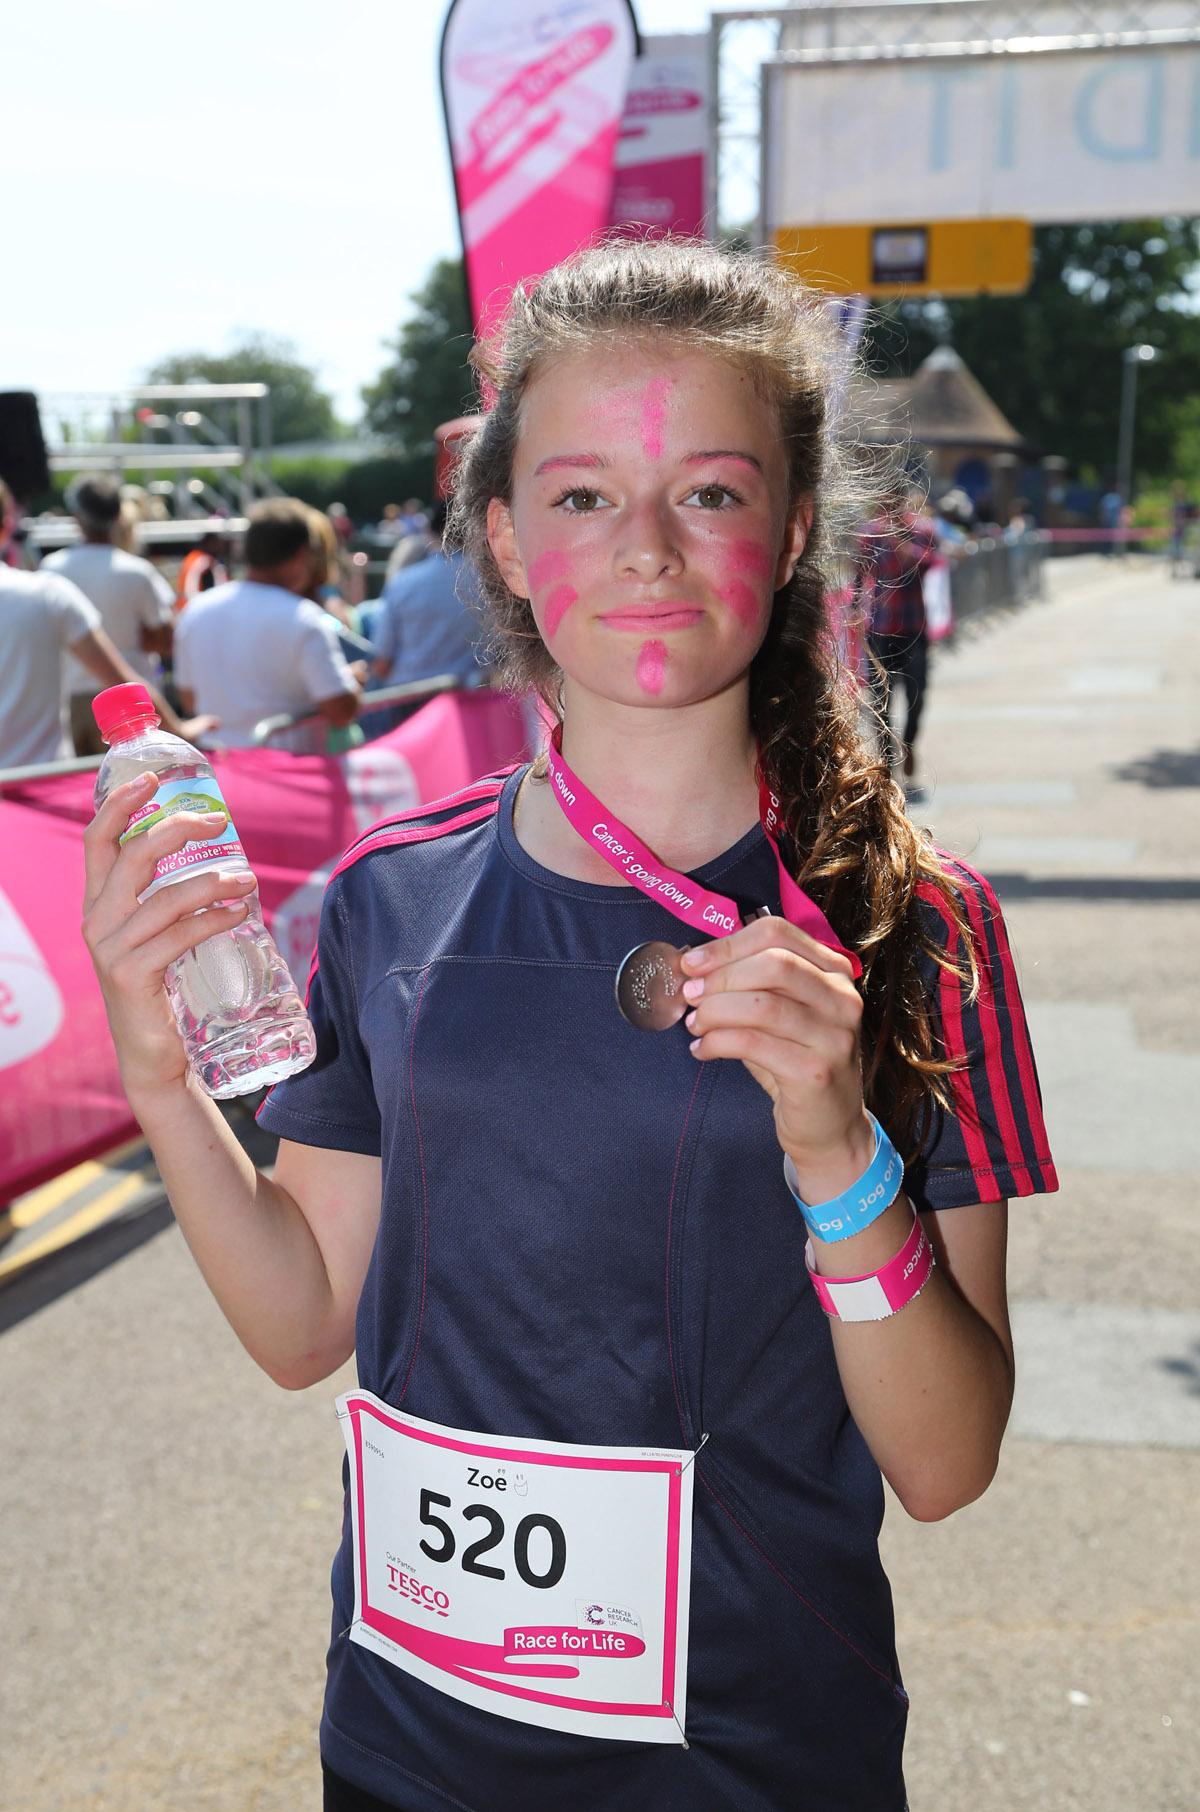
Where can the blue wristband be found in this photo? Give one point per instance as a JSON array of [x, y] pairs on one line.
[[864, 1201]]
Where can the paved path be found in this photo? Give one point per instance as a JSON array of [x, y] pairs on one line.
[[1048, 1633]]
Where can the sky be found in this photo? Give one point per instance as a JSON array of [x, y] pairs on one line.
[[176, 175]]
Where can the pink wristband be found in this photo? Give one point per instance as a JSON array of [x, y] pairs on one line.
[[878, 1294]]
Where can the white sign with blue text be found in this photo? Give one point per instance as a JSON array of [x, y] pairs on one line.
[[1048, 135]]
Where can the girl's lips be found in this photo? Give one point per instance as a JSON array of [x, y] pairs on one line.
[[655, 617]]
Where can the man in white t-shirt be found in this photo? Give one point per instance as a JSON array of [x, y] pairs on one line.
[[259, 647], [42, 618], [134, 600]]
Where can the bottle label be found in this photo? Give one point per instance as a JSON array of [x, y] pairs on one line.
[[199, 795]]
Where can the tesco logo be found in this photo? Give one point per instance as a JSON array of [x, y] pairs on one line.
[[411, 1588]]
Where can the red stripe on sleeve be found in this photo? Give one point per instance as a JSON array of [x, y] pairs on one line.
[[1030, 1098], [964, 1094], [989, 1019]]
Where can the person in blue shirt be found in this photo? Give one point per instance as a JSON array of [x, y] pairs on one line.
[[641, 1319], [429, 621]]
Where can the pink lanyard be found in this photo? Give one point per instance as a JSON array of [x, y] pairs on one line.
[[714, 914]]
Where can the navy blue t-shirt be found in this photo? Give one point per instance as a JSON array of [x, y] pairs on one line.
[[586, 1236]]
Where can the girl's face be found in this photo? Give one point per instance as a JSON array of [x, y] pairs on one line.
[[649, 523]]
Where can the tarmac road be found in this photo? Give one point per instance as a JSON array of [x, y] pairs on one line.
[[169, 1515]]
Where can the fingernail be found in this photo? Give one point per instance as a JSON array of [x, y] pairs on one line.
[[694, 1047], [697, 958], [690, 1021], [693, 989], [213, 817]]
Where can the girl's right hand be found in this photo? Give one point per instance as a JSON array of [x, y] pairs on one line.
[[133, 943]]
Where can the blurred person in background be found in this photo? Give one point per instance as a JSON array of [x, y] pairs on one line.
[[1111, 506], [953, 518], [390, 526], [325, 589], [10, 552], [201, 569], [133, 599], [325, 584], [429, 622], [1183, 521], [895, 550], [45, 619], [413, 547], [260, 647], [343, 528]]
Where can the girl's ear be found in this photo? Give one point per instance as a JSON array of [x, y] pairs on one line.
[[502, 539], [795, 539]]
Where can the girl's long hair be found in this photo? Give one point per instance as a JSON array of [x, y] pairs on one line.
[[850, 844]]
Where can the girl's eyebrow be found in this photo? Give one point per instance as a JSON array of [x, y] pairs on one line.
[[747, 459], [591, 461]]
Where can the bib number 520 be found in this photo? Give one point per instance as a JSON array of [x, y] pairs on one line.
[[446, 1546]]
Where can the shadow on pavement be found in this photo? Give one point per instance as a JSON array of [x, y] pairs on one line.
[[77, 1263], [1164, 768], [1148, 889], [66, 1268], [1186, 1369]]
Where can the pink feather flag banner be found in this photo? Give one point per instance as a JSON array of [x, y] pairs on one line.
[[533, 92]]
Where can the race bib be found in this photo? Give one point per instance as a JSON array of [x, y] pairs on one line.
[[540, 1580]]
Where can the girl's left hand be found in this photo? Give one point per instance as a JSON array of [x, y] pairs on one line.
[[787, 1007]]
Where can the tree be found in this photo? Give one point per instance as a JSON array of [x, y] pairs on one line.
[[300, 409], [428, 380], [1051, 358]]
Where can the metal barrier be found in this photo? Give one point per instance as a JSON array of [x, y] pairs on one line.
[[985, 574], [417, 692]]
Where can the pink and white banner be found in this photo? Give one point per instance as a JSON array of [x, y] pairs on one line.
[[60, 1094], [533, 92], [662, 148]]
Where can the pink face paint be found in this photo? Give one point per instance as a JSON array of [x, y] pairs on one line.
[[751, 557], [746, 561], [654, 416], [557, 606], [551, 565], [744, 602], [652, 666]]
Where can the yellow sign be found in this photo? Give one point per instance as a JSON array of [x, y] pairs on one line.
[[938, 257]]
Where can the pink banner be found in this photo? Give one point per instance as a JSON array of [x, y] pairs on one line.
[[662, 149], [60, 1095], [533, 91]]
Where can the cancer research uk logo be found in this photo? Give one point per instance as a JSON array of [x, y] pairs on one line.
[[597, 1616], [31, 1007]]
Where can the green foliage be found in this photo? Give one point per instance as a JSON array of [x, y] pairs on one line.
[[316, 481], [427, 381], [1051, 359], [300, 409], [373, 482], [364, 486]]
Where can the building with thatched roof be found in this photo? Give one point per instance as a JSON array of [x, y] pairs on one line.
[[950, 423]]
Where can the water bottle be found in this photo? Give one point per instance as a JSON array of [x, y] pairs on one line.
[[242, 1022]]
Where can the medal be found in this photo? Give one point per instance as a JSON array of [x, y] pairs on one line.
[[650, 986], [650, 978]]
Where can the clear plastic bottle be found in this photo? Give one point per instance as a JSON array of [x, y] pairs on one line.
[[242, 1022]]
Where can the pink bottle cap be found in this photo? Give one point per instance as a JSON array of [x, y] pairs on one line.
[[123, 711]]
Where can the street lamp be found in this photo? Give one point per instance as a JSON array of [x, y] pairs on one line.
[[1131, 358]]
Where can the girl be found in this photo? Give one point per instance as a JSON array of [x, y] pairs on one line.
[[615, 1490]]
